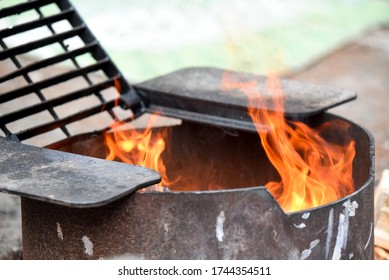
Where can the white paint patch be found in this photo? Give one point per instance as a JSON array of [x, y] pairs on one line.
[[302, 225], [305, 215], [370, 234], [344, 219], [350, 256], [219, 226], [166, 231], [59, 232], [330, 228], [166, 228], [339, 238], [351, 207], [88, 245], [314, 243], [307, 252]]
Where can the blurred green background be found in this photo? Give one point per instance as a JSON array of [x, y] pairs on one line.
[[147, 38]]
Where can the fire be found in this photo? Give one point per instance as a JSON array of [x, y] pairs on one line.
[[313, 171], [140, 147], [149, 147]]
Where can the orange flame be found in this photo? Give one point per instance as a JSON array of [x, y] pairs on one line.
[[146, 146], [313, 172], [140, 147]]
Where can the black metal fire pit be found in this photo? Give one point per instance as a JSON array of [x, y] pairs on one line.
[[79, 207]]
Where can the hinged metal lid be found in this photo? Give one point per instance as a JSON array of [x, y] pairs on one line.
[[67, 179], [197, 94]]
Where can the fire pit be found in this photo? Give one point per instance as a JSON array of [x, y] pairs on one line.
[[78, 207]]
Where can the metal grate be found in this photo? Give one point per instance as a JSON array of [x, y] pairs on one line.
[[65, 53]]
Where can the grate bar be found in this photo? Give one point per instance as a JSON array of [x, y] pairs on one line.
[[5, 129], [41, 43], [35, 24], [52, 81], [56, 101], [23, 7], [28, 133], [48, 62]]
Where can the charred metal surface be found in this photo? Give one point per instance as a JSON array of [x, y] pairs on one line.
[[67, 179], [197, 94], [244, 223], [239, 224]]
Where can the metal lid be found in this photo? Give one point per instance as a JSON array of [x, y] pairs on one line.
[[67, 179], [196, 94]]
